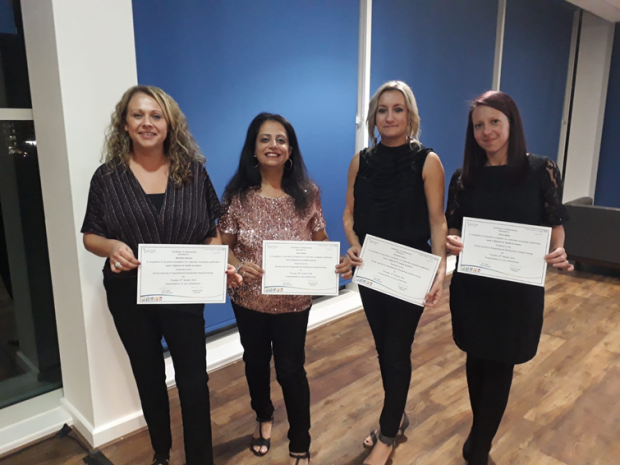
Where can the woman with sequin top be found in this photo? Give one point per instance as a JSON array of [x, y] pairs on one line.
[[270, 197], [395, 191]]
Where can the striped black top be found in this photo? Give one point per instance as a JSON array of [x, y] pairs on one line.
[[118, 208]]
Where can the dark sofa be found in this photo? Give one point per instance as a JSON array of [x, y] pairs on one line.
[[592, 233]]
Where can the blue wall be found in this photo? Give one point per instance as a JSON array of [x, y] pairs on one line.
[[607, 183], [535, 66], [444, 50], [7, 21], [225, 62]]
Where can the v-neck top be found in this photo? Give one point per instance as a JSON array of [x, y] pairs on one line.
[[118, 208], [157, 200]]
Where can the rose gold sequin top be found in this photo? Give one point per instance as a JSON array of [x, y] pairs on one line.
[[265, 218]]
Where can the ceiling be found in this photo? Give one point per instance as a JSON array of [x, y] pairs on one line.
[[606, 9]]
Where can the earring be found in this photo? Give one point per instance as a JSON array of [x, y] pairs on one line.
[[255, 166], [291, 165]]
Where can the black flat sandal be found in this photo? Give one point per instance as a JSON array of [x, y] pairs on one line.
[[300, 457], [388, 442], [373, 434], [261, 441]]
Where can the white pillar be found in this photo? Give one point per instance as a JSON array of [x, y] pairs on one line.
[[363, 75], [81, 58], [590, 96]]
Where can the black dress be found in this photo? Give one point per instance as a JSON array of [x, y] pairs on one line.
[[390, 202], [494, 319]]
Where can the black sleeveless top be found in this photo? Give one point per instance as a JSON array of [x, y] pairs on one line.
[[389, 195]]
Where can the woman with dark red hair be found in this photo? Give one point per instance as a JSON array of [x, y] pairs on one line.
[[498, 323]]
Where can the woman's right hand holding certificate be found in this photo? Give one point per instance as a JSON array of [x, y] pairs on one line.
[[454, 245], [251, 272], [353, 254]]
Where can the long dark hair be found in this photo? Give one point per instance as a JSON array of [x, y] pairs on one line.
[[475, 157], [295, 181]]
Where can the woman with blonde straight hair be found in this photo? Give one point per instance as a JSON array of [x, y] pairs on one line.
[[153, 189], [395, 192]]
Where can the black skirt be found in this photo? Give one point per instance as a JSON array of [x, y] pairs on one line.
[[496, 320]]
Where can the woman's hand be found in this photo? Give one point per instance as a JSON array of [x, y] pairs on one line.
[[454, 245], [251, 272], [121, 257], [233, 278], [559, 259], [353, 254], [344, 268], [433, 296]]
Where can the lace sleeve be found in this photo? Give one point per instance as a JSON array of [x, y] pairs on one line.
[[454, 214], [554, 211]]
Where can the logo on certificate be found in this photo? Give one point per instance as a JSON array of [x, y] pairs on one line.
[[274, 290], [151, 299], [470, 269]]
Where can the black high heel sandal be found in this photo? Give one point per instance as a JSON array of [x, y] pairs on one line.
[[261, 441], [401, 430], [300, 457], [388, 442], [467, 448]]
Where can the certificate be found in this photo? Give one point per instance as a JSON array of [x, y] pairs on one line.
[[507, 251], [396, 270], [301, 267], [182, 274]]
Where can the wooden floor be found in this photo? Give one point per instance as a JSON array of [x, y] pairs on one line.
[[564, 407]]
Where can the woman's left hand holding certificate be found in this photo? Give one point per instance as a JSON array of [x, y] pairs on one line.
[[179, 274]]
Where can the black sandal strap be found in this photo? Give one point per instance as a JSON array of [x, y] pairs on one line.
[[300, 457], [261, 420], [260, 442]]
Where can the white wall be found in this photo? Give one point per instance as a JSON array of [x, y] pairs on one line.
[[81, 58], [590, 96]]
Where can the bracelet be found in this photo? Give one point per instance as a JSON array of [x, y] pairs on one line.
[[238, 267]]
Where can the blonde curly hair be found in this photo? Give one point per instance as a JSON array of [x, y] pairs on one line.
[[179, 146]]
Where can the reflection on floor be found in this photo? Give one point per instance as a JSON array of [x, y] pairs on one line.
[[563, 410]]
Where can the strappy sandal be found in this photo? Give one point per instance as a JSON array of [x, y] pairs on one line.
[[261, 441], [300, 457], [388, 442], [373, 434]]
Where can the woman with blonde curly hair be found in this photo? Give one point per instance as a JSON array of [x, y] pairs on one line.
[[154, 189]]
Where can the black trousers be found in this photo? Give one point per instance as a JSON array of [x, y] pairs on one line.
[[393, 323], [141, 328], [284, 336], [489, 385]]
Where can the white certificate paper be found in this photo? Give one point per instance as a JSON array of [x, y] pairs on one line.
[[396, 270], [507, 251], [182, 274], [301, 267]]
